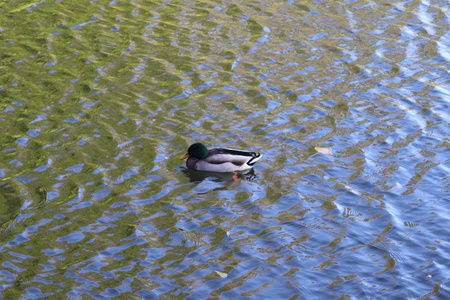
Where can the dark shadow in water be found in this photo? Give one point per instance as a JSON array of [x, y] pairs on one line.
[[198, 176], [10, 204]]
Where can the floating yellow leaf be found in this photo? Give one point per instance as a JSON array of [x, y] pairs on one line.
[[323, 150], [222, 274]]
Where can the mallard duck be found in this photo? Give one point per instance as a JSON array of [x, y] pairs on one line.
[[219, 159]]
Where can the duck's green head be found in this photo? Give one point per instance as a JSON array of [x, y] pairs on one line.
[[197, 150]]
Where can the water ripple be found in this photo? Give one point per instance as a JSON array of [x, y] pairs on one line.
[[348, 104]]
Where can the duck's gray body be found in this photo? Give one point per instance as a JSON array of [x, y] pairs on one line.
[[224, 160]]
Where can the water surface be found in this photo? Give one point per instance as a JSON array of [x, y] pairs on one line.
[[347, 101]]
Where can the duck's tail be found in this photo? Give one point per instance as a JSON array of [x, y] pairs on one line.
[[254, 159]]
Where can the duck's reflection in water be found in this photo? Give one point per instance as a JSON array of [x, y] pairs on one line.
[[198, 176]]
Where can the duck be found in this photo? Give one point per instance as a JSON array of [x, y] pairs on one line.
[[200, 158]]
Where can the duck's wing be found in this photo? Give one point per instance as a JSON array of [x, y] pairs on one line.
[[236, 157]]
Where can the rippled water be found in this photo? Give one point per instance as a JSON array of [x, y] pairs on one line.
[[349, 102]]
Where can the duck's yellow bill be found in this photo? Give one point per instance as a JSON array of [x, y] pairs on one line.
[[186, 155]]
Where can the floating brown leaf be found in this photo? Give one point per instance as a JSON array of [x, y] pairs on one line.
[[326, 151]]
